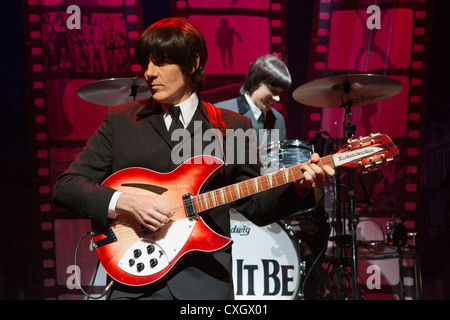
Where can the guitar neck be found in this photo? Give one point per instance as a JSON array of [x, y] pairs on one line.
[[218, 197]]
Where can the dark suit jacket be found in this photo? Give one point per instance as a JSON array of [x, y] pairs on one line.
[[134, 135], [241, 106]]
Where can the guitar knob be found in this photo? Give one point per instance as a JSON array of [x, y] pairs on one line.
[[153, 262], [140, 266], [150, 248], [131, 262], [137, 253]]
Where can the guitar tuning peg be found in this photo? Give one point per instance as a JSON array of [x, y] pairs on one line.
[[367, 169], [388, 162]]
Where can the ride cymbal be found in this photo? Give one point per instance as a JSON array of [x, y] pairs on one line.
[[115, 91], [362, 89]]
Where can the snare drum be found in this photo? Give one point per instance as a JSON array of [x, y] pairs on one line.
[[266, 261], [284, 154]]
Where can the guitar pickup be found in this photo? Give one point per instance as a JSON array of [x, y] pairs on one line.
[[189, 208]]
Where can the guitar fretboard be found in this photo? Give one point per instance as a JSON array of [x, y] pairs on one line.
[[218, 197]]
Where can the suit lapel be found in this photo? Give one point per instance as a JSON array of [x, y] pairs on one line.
[[153, 114], [243, 106]]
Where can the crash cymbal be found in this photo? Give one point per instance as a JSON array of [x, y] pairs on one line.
[[115, 91], [363, 89]]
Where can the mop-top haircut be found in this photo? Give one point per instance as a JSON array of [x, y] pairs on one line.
[[177, 40], [269, 70]]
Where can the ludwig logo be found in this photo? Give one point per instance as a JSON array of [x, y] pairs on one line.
[[240, 230]]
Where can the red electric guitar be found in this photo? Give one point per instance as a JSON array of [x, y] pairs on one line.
[[135, 256]]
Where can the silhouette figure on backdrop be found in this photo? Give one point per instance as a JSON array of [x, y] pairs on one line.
[[225, 41], [369, 44]]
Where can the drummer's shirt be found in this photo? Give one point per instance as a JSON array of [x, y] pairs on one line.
[[263, 136], [256, 111]]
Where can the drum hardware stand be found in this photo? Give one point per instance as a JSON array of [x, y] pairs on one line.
[[341, 273], [350, 130], [134, 89]]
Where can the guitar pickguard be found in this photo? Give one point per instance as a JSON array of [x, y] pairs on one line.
[[155, 251]]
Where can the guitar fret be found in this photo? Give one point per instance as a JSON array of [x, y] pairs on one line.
[[238, 194], [286, 175], [213, 198], [270, 180], [256, 184], [291, 171], [198, 205], [221, 194], [207, 200]]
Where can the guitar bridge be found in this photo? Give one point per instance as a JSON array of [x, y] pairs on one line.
[[189, 208]]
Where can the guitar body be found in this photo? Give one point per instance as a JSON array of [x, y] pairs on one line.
[[133, 255]]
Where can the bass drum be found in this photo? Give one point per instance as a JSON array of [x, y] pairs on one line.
[[266, 261], [284, 154]]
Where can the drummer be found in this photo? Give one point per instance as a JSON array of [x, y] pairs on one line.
[[267, 78]]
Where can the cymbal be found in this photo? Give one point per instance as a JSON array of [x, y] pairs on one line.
[[363, 89], [114, 91]]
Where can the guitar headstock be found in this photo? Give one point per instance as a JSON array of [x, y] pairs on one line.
[[366, 152]]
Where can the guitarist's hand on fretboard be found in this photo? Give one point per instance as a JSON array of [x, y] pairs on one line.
[[313, 175]]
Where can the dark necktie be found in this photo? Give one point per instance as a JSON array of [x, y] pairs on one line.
[[269, 120], [174, 112]]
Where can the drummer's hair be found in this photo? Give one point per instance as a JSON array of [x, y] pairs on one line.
[[267, 69], [177, 40]]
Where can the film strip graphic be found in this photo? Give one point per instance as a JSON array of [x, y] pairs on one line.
[[413, 74], [259, 28], [54, 228]]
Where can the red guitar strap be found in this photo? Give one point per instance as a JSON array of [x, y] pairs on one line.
[[215, 117]]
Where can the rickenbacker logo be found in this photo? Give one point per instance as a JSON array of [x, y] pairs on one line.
[[342, 158]]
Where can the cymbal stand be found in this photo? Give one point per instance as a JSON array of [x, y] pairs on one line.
[[350, 130], [134, 89]]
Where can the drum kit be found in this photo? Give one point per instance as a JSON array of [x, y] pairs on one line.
[[275, 268], [342, 91]]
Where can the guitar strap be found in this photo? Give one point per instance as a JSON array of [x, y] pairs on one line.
[[216, 120]]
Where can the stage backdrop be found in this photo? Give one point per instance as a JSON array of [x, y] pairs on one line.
[[391, 39]]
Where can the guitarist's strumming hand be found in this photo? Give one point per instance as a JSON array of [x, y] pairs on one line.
[[313, 175], [151, 212]]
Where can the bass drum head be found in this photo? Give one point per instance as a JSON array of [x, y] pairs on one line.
[[266, 261]]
